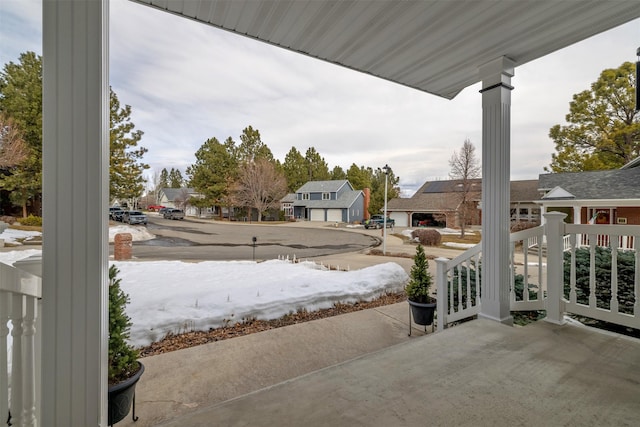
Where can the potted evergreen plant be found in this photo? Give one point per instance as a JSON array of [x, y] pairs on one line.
[[124, 368], [421, 304]]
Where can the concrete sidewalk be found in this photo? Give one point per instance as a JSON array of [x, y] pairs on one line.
[[177, 383]]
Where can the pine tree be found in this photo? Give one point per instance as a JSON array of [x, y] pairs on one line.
[[164, 179], [122, 356], [419, 285], [126, 180], [603, 130], [21, 102], [175, 178]]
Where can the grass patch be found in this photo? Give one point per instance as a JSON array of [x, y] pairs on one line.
[[468, 238], [27, 227]]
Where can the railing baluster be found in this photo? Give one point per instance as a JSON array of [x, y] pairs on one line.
[[17, 303], [572, 279], [614, 276], [29, 378], [592, 271], [4, 362]]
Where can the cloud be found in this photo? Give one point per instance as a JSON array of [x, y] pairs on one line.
[[187, 82]]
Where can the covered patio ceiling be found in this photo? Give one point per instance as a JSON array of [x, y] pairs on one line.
[[435, 46]]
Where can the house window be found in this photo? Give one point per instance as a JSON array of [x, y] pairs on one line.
[[326, 196], [305, 196]]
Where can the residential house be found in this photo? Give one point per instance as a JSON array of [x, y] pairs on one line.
[[437, 204], [331, 201], [599, 197], [179, 198], [286, 206]]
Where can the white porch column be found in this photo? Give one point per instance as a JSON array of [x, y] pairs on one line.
[[496, 156], [576, 214], [75, 192]]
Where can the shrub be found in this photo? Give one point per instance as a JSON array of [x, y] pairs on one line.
[[123, 357], [522, 225], [31, 221], [626, 279], [419, 285], [8, 219], [427, 237]]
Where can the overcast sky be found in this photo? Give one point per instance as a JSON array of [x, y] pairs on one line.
[[187, 82]]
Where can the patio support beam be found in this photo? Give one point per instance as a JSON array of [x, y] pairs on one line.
[[496, 155], [75, 201]]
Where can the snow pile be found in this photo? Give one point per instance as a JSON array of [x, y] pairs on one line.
[[174, 296]]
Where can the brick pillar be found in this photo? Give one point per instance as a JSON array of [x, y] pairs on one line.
[[123, 243], [367, 200]]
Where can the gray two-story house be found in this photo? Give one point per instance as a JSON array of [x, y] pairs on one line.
[[329, 201]]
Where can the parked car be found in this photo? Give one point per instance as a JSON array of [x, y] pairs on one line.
[[377, 221], [162, 210], [113, 210], [155, 208], [135, 217], [172, 213], [119, 215]]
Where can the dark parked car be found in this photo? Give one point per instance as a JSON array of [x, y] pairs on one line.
[[172, 213], [114, 210], [135, 217], [119, 215], [162, 210]]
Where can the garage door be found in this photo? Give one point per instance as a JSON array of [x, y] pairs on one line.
[[400, 217], [334, 215], [317, 215]]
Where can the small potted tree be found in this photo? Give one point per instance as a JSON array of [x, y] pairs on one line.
[[124, 368], [421, 304]]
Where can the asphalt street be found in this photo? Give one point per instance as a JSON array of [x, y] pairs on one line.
[[198, 240]]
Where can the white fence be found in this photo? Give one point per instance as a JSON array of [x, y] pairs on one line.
[[20, 293], [555, 270]]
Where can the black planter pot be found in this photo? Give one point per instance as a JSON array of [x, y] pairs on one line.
[[122, 396], [422, 313]]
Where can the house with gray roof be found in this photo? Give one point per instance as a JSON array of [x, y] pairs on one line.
[[329, 201], [437, 204], [600, 197], [179, 198]]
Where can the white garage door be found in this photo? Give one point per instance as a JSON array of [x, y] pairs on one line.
[[334, 215], [317, 214], [401, 218]]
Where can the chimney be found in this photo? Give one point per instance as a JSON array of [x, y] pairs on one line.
[[367, 199]]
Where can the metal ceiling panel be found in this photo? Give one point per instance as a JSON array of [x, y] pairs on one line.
[[434, 46]]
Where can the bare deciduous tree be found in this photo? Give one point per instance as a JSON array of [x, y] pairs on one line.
[[260, 185], [465, 168], [13, 148], [183, 199]]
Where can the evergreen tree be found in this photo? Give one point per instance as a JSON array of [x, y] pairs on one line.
[[317, 168], [164, 179], [214, 172], [251, 146], [604, 129], [420, 280], [295, 170], [338, 173], [126, 180], [175, 178], [21, 102], [359, 176]]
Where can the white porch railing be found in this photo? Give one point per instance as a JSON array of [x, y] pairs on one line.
[[20, 293], [552, 277]]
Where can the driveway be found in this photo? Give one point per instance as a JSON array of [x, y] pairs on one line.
[[199, 240]]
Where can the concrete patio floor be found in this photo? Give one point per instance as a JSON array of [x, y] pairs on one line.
[[361, 369], [480, 373]]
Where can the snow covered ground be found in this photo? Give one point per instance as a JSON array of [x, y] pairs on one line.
[[175, 296]]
